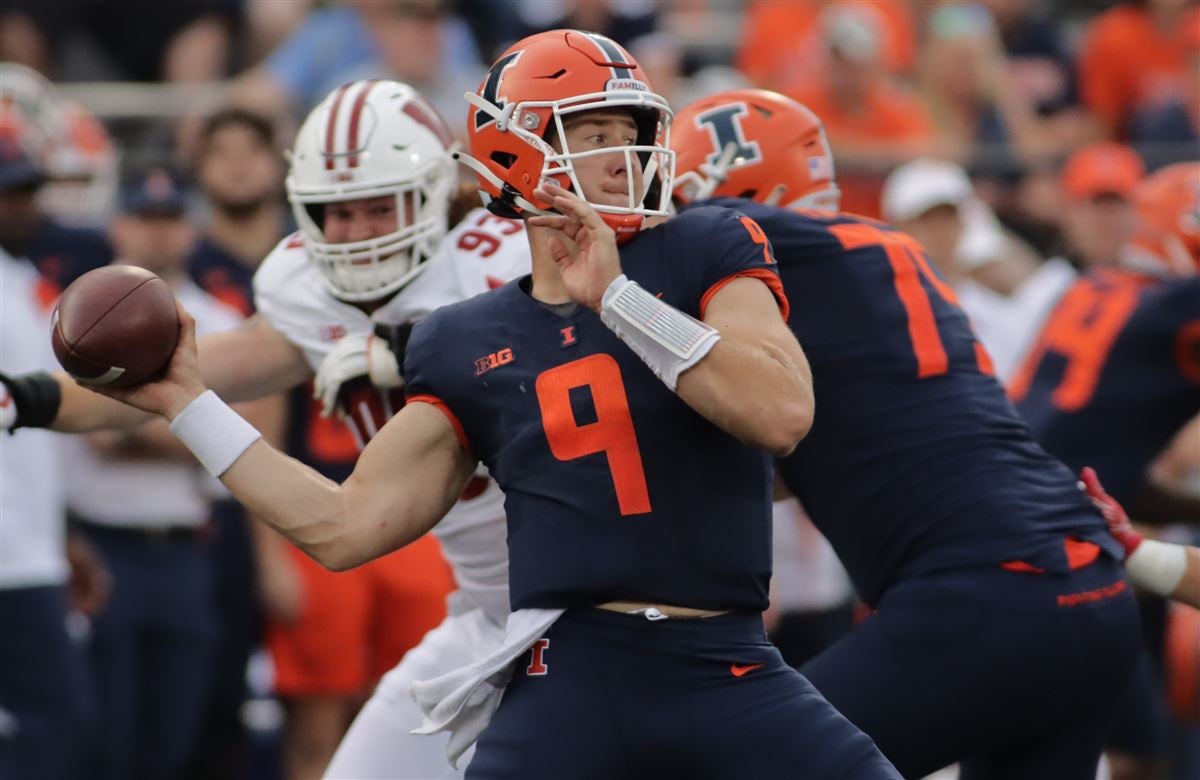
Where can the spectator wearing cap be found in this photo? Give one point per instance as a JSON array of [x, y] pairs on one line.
[[1096, 218], [1170, 131], [872, 125], [935, 202], [1098, 183], [143, 502], [61, 253]]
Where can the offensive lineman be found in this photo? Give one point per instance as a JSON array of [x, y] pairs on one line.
[[1004, 626]]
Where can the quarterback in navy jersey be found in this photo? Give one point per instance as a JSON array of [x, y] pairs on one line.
[[949, 518], [540, 385], [629, 430]]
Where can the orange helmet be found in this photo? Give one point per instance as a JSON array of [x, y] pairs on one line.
[[1168, 209], [526, 95], [756, 144]]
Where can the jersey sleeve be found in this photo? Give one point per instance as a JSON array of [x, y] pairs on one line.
[[1184, 303], [735, 246], [421, 376]]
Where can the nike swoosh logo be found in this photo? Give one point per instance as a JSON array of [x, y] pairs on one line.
[[738, 671]]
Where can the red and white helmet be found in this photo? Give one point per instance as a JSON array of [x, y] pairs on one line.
[[30, 113], [368, 139], [527, 93], [755, 144], [83, 168], [1168, 211]]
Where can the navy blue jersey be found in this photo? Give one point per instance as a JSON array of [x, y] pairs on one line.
[[222, 275], [916, 461], [615, 488], [1114, 374], [63, 253]]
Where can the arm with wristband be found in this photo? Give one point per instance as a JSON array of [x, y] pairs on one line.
[[741, 367], [1171, 570], [243, 364], [406, 479]]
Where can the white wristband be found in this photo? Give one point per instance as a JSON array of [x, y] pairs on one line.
[[666, 339], [215, 434], [1157, 566]]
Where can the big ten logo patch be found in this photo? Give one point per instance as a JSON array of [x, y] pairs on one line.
[[499, 358], [537, 659]]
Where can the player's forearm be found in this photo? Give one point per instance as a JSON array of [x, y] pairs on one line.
[[250, 362], [406, 479], [305, 507], [83, 411], [1160, 504], [754, 392]]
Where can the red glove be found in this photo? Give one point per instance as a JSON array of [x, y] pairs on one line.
[[1118, 522]]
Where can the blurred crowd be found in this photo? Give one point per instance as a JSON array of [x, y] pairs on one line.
[[1007, 136]]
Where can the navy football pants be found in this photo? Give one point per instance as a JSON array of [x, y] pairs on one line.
[[624, 697], [44, 709], [989, 668]]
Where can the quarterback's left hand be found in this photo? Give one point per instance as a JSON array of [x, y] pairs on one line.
[[359, 354], [586, 252]]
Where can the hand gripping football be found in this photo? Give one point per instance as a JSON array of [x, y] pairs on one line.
[[115, 326]]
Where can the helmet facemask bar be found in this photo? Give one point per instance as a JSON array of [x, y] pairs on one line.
[[368, 270], [654, 160]]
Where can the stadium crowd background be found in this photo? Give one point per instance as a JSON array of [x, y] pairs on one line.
[[1054, 109]]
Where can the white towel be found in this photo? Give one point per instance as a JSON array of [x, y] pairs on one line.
[[462, 701]]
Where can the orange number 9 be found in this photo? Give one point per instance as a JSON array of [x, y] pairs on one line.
[[612, 433]]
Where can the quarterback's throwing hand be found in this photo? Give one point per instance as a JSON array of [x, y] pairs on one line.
[[588, 258], [180, 383]]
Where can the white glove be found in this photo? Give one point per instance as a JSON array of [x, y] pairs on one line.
[[359, 354], [8, 409]]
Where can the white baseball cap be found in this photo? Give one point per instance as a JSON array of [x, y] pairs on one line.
[[917, 186]]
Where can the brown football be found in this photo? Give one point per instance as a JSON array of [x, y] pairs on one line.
[[115, 326]]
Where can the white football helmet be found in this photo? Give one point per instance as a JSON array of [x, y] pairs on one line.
[[83, 169], [367, 139], [29, 110]]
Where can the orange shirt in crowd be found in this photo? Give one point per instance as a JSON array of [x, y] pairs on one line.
[[890, 118], [1126, 62], [782, 42]]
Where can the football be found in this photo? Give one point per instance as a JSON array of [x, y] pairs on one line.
[[115, 326]]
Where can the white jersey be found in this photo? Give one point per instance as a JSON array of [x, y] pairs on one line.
[[32, 518], [481, 253], [170, 493]]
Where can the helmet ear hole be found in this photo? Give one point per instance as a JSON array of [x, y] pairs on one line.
[[748, 194], [316, 212], [505, 160]]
